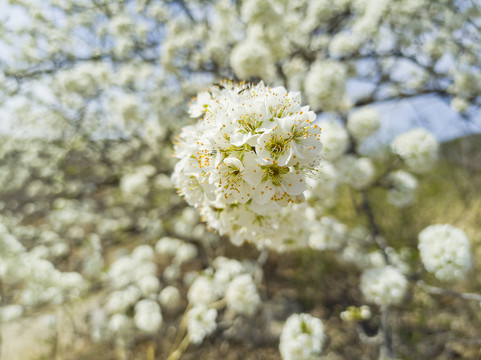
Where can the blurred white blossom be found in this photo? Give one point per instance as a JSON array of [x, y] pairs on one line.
[[302, 338], [384, 285], [200, 323], [418, 148], [445, 251]]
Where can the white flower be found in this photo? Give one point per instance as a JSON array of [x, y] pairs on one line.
[[292, 138], [459, 104], [148, 317], [200, 323], [185, 253], [384, 285], [119, 324], [143, 253], [199, 105], [236, 181], [248, 157], [201, 291], [148, 284], [226, 270], [445, 251], [363, 122], [302, 338], [403, 190], [241, 295], [418, 148]]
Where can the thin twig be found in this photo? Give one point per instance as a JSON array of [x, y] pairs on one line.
[[261, 260], [257, 273], [434, 290], [386, 345], [177, 353], [218, 304], [181, 330]]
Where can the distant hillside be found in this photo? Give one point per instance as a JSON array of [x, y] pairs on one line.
[[465, 152]]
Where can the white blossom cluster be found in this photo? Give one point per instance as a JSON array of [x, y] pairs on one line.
[[302, 338], [335, 140], [37, 281], [230, 280], [135, 284], [445, 251], [53, 221], [248, 157], [339, 167], [384, 285], [418, 148], [357, 172], [177, 253], [137, 298], [201, 323], [324, 184], [327, 234], [136, 184], [10, 312], [148, 317], [363, 123], [325, 85]]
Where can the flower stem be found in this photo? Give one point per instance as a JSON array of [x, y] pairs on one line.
[[434, 290], [177, 353]]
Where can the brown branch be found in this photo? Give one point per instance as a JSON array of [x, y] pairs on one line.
[[375, 232], [386, 351], [434, 290]]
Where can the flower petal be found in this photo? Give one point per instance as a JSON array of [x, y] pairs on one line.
[[293, 184]]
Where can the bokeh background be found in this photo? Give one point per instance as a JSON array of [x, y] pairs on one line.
[[92, 94]]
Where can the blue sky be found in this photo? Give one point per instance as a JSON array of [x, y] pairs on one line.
[[397, 116]]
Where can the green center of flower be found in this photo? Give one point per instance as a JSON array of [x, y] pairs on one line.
[[277, 145], [274, 173], [233, 175], [249, 125]]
